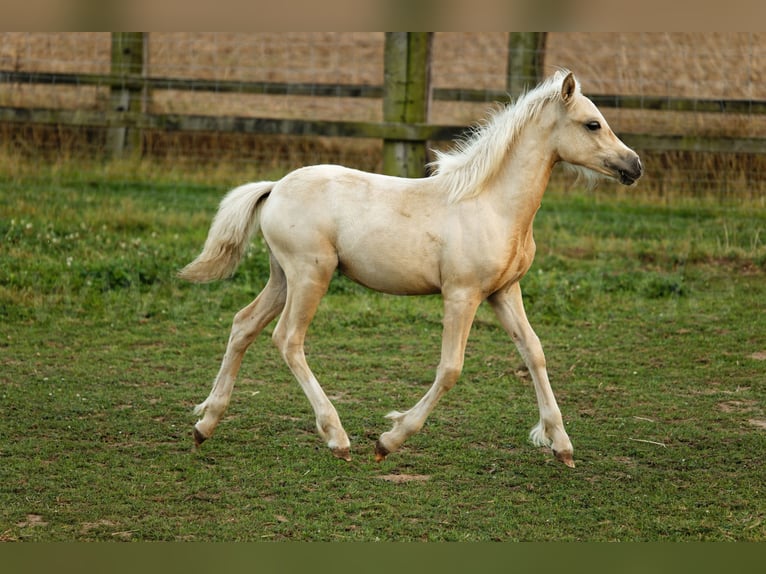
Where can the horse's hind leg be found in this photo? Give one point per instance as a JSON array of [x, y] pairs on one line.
[[304, 293], [248, 323], [549, 431]]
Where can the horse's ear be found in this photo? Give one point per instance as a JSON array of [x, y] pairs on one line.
[[568, 88]]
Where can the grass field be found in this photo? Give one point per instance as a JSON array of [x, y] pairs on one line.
[[651, 314]]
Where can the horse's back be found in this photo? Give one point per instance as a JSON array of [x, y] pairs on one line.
[[328, 181]]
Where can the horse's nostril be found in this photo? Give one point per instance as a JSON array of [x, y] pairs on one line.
[[639, 168]]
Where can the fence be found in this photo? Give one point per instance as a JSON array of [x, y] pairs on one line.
[[674, 93]]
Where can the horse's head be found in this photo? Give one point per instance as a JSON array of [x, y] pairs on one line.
[[583, 138]]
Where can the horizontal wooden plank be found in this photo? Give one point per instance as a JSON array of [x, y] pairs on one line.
[[680, 104], [274, 126], [194, 84], [660, 103], [235, 124], [654, 142], [377, 130], [739, 106]]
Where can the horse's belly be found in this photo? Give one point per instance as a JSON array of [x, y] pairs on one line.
[[395, 275]]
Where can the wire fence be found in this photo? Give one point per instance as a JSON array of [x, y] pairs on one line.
[[650, 67]]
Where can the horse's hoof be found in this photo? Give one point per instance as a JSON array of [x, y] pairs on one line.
[[342, 453], [381, 452], [565, 457], [199, 438]]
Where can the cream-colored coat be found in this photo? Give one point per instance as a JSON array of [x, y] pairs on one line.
[[465, 232]]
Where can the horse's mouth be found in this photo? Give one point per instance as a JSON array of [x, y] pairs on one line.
[[627, 178], [626, 171]]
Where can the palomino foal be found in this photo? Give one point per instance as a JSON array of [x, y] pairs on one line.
[[465, 232]]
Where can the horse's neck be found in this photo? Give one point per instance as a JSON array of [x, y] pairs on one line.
[[518, 188]]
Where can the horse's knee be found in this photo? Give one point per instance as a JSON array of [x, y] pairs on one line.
[[291, 349], [537, 362], [449, 375], [531, 350]]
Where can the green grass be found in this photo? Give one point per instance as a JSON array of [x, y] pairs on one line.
[[651, 316]]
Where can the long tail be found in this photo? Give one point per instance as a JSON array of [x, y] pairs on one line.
[[234, 225]]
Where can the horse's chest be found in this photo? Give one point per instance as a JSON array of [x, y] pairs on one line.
[[514, 264]]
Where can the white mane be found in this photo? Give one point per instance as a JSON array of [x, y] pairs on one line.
[[473, 162]]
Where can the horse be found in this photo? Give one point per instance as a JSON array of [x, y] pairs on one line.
[[464, 232]]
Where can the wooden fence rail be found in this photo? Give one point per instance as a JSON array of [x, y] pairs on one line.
[[377, 130], [406, 93], [411, 132], [662, 103]]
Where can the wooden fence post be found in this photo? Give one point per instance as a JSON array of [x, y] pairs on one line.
[[406, 98], [127, 60], [526, 52]]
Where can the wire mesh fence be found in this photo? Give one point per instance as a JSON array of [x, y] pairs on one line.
[[650, 66]]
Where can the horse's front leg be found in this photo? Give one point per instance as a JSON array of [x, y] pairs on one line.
[[549, 431], [459, 311]]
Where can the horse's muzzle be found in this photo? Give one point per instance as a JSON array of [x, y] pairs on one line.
[[627, 170]]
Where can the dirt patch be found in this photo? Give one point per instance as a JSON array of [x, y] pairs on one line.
[[760, 423], [758, 356], [399, 478], [32, 520], [86, 527], [737, 406]]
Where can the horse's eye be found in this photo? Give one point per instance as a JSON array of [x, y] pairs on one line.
[[593, 126]]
